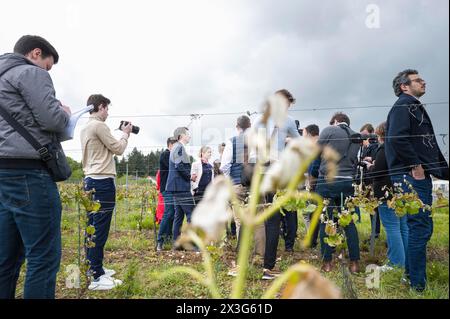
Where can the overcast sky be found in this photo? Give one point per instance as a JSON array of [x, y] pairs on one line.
[[205, 56]]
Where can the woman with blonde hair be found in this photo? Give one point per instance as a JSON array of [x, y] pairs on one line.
[[202, 173]]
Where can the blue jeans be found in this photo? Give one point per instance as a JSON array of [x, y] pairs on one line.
[[165, 229], [30, 221], [397, 235], [184, 206], [334, 191], [358, 213], [105, 192], [420, 230]]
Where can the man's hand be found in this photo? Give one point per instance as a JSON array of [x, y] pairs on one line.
[[66, 109], [193, 177], [127, 128], [418, 172]]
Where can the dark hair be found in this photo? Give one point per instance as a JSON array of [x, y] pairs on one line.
[[340, 117], [312, 129], [381, 130], [171, 141], [367, 127], [243, 122], [402, 78], [287, 95], [28, 43], [97, 100]]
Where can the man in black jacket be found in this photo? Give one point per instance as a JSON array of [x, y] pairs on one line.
[[412, 154], [165, 229]]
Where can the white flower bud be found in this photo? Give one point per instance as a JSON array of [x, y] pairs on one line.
[[213, 211], [278, 109], [281, 172]]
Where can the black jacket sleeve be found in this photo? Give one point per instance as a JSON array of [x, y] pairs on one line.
[[400, 130], [164, 162], [379, 169]]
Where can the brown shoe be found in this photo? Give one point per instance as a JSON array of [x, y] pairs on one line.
[[354, 267], [327, 266]]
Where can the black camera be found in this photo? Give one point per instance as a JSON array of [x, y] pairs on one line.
[[363, 164], [358, 138], [300, 130], [134, 129]]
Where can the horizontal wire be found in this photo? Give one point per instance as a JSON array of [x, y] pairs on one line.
[[309, 109], [335, 182], [332, 139]]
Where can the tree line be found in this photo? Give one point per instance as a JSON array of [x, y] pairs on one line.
[[139, 164]]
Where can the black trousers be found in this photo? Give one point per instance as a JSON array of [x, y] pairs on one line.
[[272, 226], [315, 234], [290, 225], [377, 224]]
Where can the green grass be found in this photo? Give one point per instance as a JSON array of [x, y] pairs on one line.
[[131, 253]]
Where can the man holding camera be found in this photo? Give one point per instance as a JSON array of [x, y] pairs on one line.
[[339, 136], [413, 155], [30, 206], [99, 147]]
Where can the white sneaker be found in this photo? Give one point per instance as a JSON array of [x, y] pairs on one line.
[[104, 283], [109, 272], [385, 268], [233, 272]]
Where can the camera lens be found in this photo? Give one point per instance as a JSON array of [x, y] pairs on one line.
[[135, 129]]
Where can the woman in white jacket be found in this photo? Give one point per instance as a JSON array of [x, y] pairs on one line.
[[202, 173]]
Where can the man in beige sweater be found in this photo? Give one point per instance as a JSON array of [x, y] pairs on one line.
[[99, 147]]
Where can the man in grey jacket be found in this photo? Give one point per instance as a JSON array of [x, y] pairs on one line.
[[30, 206], [339, 137]]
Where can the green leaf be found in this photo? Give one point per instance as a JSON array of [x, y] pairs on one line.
[[311, 208], [90, 230]]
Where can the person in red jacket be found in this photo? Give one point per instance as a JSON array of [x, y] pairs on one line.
[[160, 205]]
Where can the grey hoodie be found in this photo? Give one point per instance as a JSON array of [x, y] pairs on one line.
[[27, 93]]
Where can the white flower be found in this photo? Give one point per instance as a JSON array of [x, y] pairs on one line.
[[278, 107], [281, 172], [310, 285], [213, 212], [322, 218], [332, 158], [258, 144]]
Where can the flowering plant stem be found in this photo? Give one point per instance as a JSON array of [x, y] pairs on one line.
[[281, 280], [208, 265], [249, 228], [209, 281], [247, 233]]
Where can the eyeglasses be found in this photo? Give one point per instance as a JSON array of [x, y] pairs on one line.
[[418, 80]]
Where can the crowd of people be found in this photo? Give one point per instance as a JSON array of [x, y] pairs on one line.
[[403, 147]]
